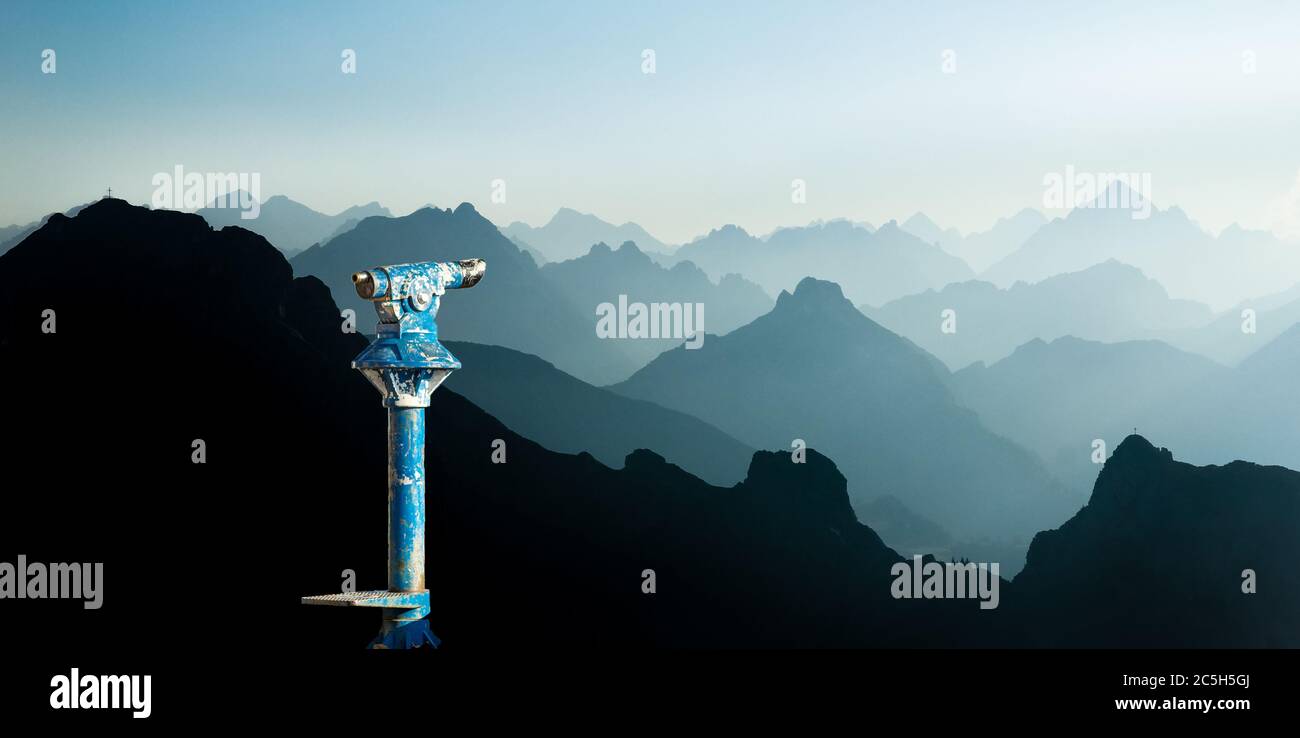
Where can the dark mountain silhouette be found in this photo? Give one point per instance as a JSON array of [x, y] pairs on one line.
[[289, 225], [979, 250], [11, 236], [604, 273], [874, 267], [518, 307], [251, 360], [1156, 558], [563, 413], [817, 369], [1167, 246], [1056, 398], [1107, 302], [569, 234]]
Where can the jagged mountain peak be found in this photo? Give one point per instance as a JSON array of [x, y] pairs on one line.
[[827, 490], [811, 290], [569, 214], [1136, 447], [626, 253], [730, 230]]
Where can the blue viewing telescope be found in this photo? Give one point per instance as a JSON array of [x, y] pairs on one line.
[[406, 363]]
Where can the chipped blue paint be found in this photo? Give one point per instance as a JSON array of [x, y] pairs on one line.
[[406, 363], [406, 499]]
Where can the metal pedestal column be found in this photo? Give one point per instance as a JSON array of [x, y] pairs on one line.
[[405, 628]]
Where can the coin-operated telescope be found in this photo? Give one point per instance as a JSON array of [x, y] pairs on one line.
[[406, 363]]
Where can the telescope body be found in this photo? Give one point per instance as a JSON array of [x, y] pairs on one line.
[[406, 363]]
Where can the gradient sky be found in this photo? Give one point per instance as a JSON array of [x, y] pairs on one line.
[[550, 97]]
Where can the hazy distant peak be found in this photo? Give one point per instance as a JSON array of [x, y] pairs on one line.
[[1108, 203], [626, 252], [568, 214], [1030, 345], [567, 217], [730, 278], [464, 214], [232, 200], [920, 221], [838, 224], [1026, 218], [967, 288], [729, 229], [813, 292], [685, 267], [1112, 274], [1121, 187], [864, 225], [364, 211], [1113, 264], [569, 234], [1278, 356], [288, 224], [1109, 271]]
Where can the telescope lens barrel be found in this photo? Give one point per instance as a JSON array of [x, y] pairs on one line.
[[472, 270], [371, 285]]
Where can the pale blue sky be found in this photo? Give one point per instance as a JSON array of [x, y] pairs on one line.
[[550, 97]]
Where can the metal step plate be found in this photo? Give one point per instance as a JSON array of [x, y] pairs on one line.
[[373, 598]]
